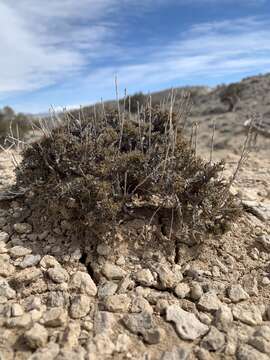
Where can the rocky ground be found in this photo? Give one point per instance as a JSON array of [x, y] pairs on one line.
[[62, 297]]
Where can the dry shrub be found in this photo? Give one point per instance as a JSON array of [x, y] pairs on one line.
[[100, 169]]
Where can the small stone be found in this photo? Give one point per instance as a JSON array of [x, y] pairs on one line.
[[264, 332], [196, 291], [29, 260], [138, 323], [113, 272], [120, 261], [209, 302], [4, 236], [103, 250], [249, 314], [265, 281], [224, 318], [3, 247], [153, 336], [6, 290], [19, 251], [177, 353], [6, 269], [247, 352], [33, 303], [187, 325], [144, 277], [58, 299], [37, 336], [22, 228], [123, 343], [80, 306], [205, 318], [104, 321], [140, 304], [55, 317], [27, 276], [107, 289], [49, 261], [71, 335], [214, 340], [250, 284], [83, 282], [58, 274], [236, 293], [100, 347], [182, 290], [168, 279], [16, 310], [20, 322], [117, 303], [260, 344], [48, 352]]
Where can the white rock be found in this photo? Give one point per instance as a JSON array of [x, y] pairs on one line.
[[224, 318], [117, 303], [37, 336], [249, 314], [58, 274], [209, 302], [123, 343], [113, 272], [83, 282], [6, 290], [247, 352], [22, 228], [16, 310], [55, 317], [19, 251], [187, 324], [145, 277], [80, 306], [182, 290], [236, 293], [4, 236], [214, 340]]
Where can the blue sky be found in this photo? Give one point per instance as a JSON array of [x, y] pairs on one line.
[[67, 52]]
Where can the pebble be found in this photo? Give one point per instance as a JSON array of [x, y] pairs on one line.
[[187, 325], [250, 284], [49, 261], [4, 236], [5, 290], [177, 353], [247, 352], [16, 310], [27, 276], [214, 340], [83, 282], [22, 228], [80, 306], [37, 336], [182, 290], [236, 293], [113, 272], [58, 274], [249, 314], [20, 322], [6, 269], [108, 288], [196, 291], [19, 251], [123, 343], [144, 277], [117, 303], [168, 279], [209, 302], [29, 260], [55, 317], [265, 281], [142, 324], [223, 318]]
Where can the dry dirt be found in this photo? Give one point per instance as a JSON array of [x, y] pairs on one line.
[[62, 297]]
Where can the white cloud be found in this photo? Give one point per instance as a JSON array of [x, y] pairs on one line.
[[46, 43]]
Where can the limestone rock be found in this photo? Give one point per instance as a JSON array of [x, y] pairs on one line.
[[223, 318], [117, 303], [108, 288], [247, 352], [249, 314], [19, 251], [209, 302], [83, 282], [6, 290], [58, 274], [80, 306], [55, 317], [22, 228], [182, 290], [4, 236], [37, 336], [29, 260], [214, 340], [113, 272], [187, 325], [237, 293], [144, 277]]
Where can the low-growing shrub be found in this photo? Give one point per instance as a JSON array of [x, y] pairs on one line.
[[98, 170]]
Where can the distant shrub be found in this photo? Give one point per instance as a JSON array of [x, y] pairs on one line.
[[95, 171], [231, 94], [12, 123], [132, 102]]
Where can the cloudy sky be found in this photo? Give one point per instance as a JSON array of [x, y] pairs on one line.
[[67, 52]]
